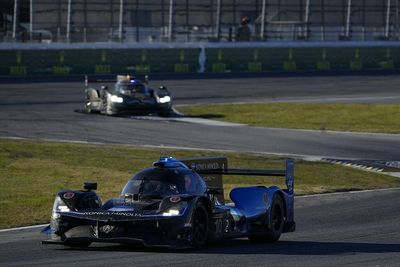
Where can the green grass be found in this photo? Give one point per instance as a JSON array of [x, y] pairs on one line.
[[383, 118], [32, 172]]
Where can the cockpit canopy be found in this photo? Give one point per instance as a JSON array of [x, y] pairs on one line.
[[131, 87], [159, 182]]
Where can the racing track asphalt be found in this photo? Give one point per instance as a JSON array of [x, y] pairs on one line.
[[46, 111], [343, 229]]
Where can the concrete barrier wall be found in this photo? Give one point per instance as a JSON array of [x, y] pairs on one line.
[[197, 58]]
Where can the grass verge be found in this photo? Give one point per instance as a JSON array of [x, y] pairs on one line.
[[32, 172], [338, 117]]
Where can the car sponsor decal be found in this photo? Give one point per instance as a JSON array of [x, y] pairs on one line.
[[113, 213], [175, 199], [107, 228], [68, 195]]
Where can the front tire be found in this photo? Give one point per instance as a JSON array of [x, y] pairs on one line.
[[88, 108], [106, 106], [200, 225], [165, 113], [276, 218]]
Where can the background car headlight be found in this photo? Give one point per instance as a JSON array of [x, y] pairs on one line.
[[116, 99], [165, 99]]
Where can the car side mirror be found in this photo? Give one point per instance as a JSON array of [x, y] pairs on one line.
[[90, 186]]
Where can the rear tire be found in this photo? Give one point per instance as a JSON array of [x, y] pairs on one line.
[[276, 218]]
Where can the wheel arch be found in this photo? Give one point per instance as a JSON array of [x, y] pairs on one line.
[[207, 203]]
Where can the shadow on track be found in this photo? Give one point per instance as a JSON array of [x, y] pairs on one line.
[[244, 247], [301, 248], [173, 114]]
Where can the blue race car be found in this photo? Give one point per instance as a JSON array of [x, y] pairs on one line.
[[175, 204]]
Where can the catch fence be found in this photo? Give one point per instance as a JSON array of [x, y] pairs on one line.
[[146, 21]]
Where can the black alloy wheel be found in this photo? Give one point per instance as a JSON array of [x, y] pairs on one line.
[[276, 217], [199, 226]]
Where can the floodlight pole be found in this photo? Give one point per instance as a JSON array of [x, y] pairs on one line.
[[262, 20]]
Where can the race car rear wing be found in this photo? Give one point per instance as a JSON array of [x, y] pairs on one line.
[[212, 169]]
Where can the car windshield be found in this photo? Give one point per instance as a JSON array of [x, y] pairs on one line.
[[147, 188], [160, 183], [133, 88]]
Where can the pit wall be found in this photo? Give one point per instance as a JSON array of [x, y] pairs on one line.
[[21, 60]]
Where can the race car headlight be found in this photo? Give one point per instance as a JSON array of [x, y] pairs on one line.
[[59, 206], [171, 212], [165, 99], [116, 99], [176, 210]]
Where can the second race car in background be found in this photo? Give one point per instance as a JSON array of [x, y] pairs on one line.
[[128, 96]]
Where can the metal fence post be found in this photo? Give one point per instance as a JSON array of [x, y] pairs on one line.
[[85, 24], [170, 17], [218, 20], [307, 19], [68, 35], [348, 19], [137, 21], [262, 20], [187, 20], [59, 20], [15, 20], [322, 20], [30, 20], [121, 18], [396, 20], [387, 26]]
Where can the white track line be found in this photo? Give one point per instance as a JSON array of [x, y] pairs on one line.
[[23, 228], [304, 157], [349, 192]]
